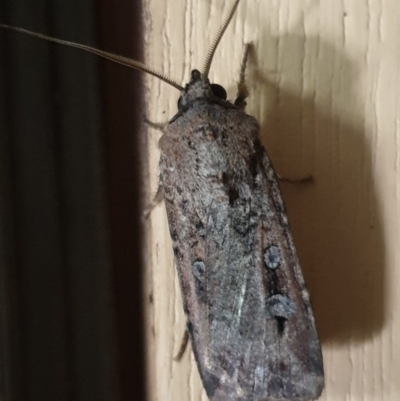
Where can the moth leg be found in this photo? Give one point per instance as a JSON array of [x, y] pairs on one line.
[[182, 348], [303, 180], [243, 92], [156, 126], [159, 196]]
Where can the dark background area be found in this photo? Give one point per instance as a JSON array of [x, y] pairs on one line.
[[70, 244]]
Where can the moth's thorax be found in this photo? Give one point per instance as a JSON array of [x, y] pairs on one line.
[[196, 89]]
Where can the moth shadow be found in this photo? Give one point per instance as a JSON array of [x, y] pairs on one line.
[[319, 128]]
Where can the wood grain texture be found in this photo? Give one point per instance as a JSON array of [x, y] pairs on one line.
[[324, 84]]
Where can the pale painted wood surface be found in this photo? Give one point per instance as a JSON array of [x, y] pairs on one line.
[[325, 84]]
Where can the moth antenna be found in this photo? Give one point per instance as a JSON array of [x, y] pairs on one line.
[[127, 62], [221, 31]]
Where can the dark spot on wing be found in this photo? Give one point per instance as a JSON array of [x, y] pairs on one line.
[[280, 306], [272, 257], [273, 282], [199, 268], [281, 324], [256, 157], [233, 193]]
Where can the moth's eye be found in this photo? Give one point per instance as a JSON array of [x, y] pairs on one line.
[[219, 91]]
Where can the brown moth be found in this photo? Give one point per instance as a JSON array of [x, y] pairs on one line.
[[248, 311]]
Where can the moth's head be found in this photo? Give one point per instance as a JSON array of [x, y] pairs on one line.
[[198, 88]]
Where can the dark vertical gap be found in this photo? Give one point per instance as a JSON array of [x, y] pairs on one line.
[[57, 127], [56, 110], [18, 259], [39, 262], [89, 311], [120, 32], [57, 338], [13, 371]]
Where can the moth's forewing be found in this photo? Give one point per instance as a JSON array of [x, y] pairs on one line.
[[249, 316]]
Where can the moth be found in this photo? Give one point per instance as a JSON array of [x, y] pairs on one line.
[[248, 311]]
